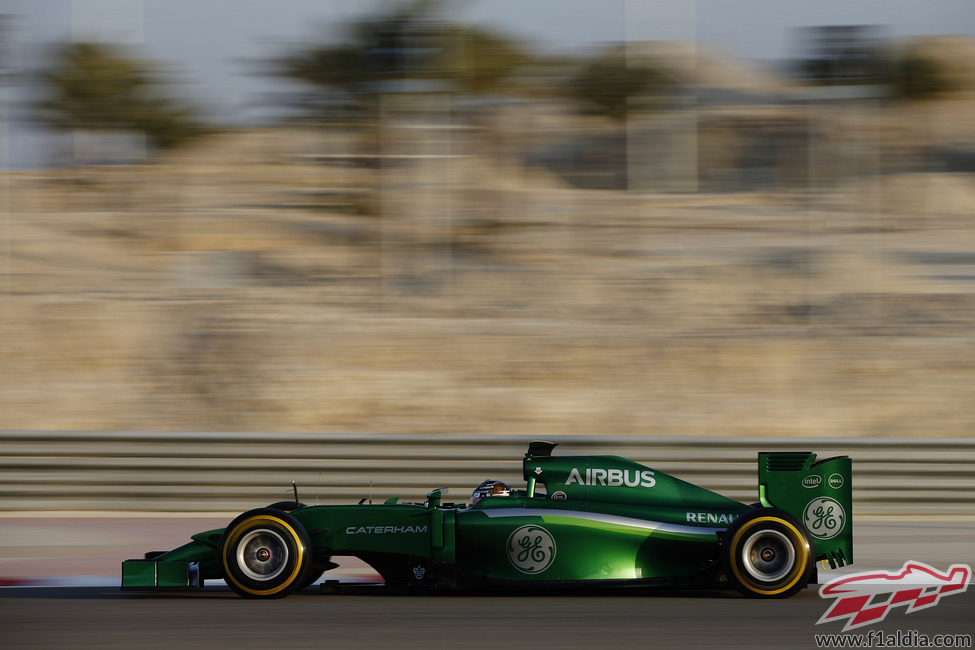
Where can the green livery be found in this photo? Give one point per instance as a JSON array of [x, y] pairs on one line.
[[580, 520]]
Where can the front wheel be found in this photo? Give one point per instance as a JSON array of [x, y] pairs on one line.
[[767, 554], [265, 553], [287, 506]]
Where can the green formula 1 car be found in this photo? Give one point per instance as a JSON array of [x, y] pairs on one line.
[[581, 520]]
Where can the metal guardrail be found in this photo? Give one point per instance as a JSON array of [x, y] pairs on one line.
[[228, 472]]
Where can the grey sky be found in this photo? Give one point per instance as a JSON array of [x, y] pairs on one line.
[[208, 42]]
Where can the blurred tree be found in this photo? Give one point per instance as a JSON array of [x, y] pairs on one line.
[[483, 61], [93, 87], [914, 77], [402, 51], [609, 85]]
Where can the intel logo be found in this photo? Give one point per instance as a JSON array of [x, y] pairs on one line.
[[812, 481]]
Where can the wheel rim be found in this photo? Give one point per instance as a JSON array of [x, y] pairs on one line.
[[768, 555], [262, 554]]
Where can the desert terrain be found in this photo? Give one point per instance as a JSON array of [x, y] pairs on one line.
[[280, 279]]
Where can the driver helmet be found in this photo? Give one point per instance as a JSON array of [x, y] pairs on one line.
[[490, 488]]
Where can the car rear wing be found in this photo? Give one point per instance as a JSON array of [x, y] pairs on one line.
[[818, 493]]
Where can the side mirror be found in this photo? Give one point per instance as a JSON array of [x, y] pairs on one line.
[[435, 497]]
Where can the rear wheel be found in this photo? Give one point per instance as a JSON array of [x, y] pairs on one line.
[[265, 553], [768, 554]]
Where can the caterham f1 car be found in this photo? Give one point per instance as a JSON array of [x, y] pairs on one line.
[[580, 520]]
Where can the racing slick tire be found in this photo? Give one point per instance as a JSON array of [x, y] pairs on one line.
[[768, 554], [313, 574], [265, 553]]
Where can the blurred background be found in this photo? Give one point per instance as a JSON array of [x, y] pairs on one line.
[[475, 217]]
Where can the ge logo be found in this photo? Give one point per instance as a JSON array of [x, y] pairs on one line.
[[824, 518], [531, 549]]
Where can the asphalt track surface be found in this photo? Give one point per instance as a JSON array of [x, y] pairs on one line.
[[104, 617]]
